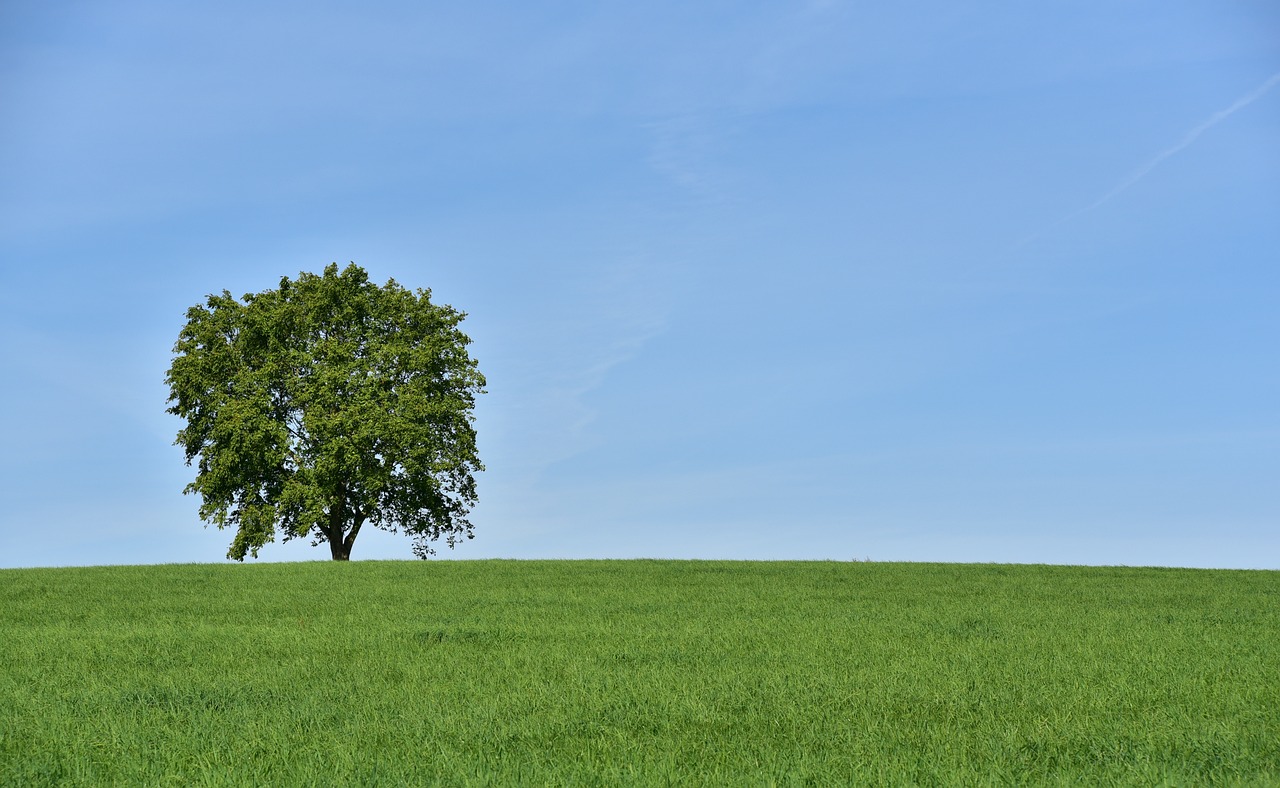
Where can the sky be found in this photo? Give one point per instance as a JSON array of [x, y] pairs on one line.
[[917, 281]]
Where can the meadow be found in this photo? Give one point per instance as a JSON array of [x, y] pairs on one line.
[[638, 673]]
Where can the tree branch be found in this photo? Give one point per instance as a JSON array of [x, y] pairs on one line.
[[351, 536]]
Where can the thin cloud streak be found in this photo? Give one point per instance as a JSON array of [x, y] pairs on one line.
[[1190, 137], [1142, 172]]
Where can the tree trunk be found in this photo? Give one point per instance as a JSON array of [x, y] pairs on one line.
[[339, 548]]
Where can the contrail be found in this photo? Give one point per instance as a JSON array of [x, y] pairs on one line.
[[1189, 138]]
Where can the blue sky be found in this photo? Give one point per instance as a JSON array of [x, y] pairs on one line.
[[831, 280]]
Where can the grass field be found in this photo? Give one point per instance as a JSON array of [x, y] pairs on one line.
[[638, 672]]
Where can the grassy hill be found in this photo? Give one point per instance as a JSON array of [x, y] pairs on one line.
[[638, 672]]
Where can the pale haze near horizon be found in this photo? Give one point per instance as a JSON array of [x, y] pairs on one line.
[[815, 280]]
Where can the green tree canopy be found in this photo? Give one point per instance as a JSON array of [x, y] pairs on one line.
[[327, 404]]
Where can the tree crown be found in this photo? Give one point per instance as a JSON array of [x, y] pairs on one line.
[[325, 404]]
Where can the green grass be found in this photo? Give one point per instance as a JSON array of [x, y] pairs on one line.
[[638, 672]]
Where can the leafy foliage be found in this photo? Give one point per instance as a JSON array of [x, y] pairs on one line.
[[326, 404]]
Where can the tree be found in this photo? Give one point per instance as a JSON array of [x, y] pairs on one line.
[[325, 405]]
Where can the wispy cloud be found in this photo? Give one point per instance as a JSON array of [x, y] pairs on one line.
[[767, 64], [679, 151], [563, 356], [1187, 139]]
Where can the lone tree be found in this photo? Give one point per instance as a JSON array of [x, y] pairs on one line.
[[327, 404]]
